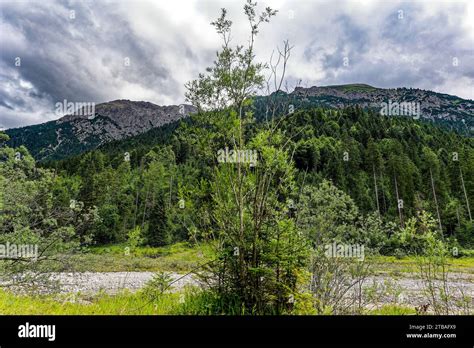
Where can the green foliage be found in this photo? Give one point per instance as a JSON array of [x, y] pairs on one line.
[[158, 233], [40, 146], [465, 235], [327, 214], [393, 310], [123, 303], [258, 249], [418, 236], [3, 138], [235, 76], [36, 213], [135, 238], [374, 232], [179, 257], [157, 286], [380, 150]]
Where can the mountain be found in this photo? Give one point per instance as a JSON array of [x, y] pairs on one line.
[[443, 109], [116, 120], [79, 131]]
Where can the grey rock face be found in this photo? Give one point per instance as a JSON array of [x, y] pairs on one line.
[[85, 130], [433, 106], [119, 119]]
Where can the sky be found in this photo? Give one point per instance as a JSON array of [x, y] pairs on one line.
[[98, 51]]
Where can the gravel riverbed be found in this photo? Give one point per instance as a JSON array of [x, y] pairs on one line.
[[408, 291], [401, 290], [113, 282]]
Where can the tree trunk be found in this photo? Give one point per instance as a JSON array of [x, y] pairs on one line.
[[436, 203], [398, 203], [376, 191], [465, 195]]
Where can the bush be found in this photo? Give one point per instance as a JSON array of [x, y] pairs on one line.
[[416, 237], [157, 286], [326, 214], [135, 238]]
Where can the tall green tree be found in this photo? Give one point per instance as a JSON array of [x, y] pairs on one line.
[[257, 247]]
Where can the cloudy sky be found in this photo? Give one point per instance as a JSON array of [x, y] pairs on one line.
[[97, 51]]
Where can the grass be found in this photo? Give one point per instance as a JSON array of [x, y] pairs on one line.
[[355, 87], [180, 257], [190, 301], [393, 310], [125, 303], [183, 257], [392, 266]]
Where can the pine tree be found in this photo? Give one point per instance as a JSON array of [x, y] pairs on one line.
[[158, 233]]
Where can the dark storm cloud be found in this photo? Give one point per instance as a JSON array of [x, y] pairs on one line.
[[4, 104], [412, 50], [84, 58]]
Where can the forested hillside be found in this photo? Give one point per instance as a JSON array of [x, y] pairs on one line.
[[444, 110], [116, 120], [367, 156]]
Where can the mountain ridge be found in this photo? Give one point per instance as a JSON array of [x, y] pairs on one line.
[[75, 133], [433, 104]]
